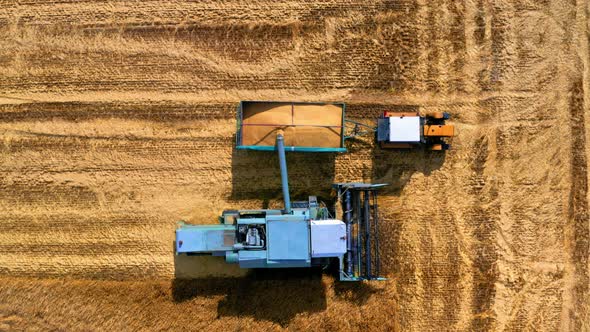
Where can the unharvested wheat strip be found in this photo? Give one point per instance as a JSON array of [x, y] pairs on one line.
[[140, 235], [17, 264]]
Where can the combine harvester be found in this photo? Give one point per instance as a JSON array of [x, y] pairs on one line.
[[304, 234]]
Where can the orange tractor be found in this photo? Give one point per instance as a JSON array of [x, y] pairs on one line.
[[406, 130]]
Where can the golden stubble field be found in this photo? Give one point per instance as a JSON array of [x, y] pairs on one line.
[[117, 119]]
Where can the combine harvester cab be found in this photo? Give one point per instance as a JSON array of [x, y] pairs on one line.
[[304, 233]]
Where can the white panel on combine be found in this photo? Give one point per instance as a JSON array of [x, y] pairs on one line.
[[328, 238], [404, 129]]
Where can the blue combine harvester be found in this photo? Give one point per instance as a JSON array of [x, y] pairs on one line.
[[300, 235]]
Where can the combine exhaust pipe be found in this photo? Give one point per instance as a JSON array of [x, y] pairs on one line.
[[284, 178]]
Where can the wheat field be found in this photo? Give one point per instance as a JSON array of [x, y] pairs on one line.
[[117, 119]]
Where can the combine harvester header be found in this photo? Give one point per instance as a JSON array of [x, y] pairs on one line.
[[304, 233]]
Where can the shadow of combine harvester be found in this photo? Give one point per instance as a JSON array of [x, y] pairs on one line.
[[270, 295], [276, 296]]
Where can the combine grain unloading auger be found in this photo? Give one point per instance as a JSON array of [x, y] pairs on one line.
[[304, 234]]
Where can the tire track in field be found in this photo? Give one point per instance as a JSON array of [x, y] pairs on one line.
[[578, 215]]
